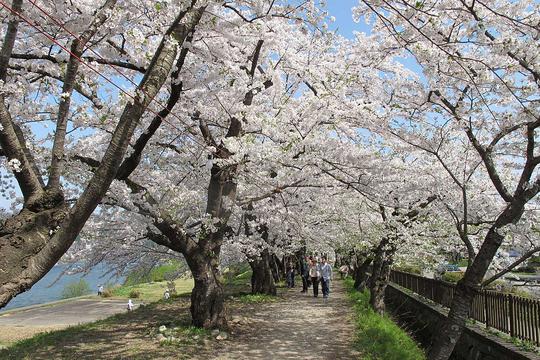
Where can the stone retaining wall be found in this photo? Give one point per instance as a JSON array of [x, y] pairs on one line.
[[423, 319]]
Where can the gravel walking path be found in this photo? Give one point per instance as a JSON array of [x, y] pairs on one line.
[[300, 327]]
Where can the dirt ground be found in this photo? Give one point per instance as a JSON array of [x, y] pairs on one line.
[[297, 326], [300, 327]]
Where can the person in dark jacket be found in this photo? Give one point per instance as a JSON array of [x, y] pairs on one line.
[[290, 275], [304, 272]]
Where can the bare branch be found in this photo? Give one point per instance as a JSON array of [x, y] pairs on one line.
[[77, 47], [524, 257]]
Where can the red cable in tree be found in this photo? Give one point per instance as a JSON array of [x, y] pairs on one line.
[[34, 2], [96, 71], [57, 22], [100, 74]]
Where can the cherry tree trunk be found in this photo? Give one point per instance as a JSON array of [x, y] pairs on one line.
[[450, 332], [380, 274], [377, 288], [276, 269], [361, 276], [262, 279], [23, 237], [207, 298], [455, 323]]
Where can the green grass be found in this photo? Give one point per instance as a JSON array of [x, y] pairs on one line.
[[50, 338], [409, 268], [453, 277], [185, 335], [463, 263], [237, 275], [153, 291], [378, 337], [142, 324], [156, 274]]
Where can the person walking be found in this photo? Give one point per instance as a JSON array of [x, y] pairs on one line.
[[290, 275], [314, 274], [326, 277], [130, 305], [304, 272]]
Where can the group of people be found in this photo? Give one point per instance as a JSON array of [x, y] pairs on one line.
[[313, 270]]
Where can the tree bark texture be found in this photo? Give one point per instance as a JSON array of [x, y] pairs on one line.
[[361, 276], [450, 332], [207, 298], [262, 279], [380, 274], [33, 241], [378, 286]]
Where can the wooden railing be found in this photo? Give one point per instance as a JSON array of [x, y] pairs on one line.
[[517, 316]]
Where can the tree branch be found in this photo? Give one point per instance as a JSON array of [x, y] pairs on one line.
[[77, 47], [525, 256], [11, 138], [51, 58]]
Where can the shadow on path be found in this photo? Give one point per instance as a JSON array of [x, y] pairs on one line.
[[300, 327]]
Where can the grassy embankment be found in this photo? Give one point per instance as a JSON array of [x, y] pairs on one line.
[[151, 292], [377, 336], [133, 335]]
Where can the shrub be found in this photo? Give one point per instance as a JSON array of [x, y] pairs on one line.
[[526, 269], [499, 285], [76, 288], [453, 277], [107, 292], [135, 294], [409, 268], [534, 261], [521, 293]]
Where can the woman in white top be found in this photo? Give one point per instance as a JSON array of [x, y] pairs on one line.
[[314, 273]]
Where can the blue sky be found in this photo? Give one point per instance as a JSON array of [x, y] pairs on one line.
[[341, 10], [344, 25]]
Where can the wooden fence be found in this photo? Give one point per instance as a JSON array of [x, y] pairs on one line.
[[517, 316]]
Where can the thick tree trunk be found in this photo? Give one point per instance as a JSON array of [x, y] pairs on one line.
[[361, 275], [378, 287], [381, 274], [207, 298], [277, 269], [32, 242], [274, 268], [449, 334], [262, 279], [454, 324], [21, 238]]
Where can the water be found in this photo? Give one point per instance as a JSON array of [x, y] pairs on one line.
[[43, 292]]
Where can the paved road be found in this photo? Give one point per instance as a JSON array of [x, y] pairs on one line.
[[64, 313], [24, 323]]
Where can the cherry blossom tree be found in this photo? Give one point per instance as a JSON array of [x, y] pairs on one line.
[[481, 78], [239, 81], [44, 83]]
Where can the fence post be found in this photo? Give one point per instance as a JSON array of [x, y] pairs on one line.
[[486, 307], [511, 315]]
